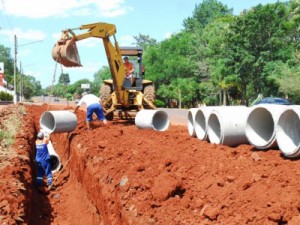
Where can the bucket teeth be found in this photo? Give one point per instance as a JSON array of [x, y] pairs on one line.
[[65, 52]]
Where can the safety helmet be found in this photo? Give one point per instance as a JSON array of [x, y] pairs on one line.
[[40, 135]]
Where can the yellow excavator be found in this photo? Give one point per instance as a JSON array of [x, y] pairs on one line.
[[118, 93]]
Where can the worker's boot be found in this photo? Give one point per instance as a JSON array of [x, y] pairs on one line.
[[51, 187]]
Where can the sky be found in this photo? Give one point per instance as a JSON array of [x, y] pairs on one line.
[[37, 25]]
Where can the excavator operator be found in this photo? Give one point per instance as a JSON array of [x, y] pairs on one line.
[[129, 69]]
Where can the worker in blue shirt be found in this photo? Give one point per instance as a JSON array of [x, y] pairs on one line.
[[42, 159]]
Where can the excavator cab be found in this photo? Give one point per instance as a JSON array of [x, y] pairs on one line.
[[135, 57]]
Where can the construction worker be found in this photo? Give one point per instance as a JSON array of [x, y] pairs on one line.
[[93, 104], [42, 159], [129, 70]]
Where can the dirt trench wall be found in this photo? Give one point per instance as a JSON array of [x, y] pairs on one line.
[[94, 179], [16, 183]]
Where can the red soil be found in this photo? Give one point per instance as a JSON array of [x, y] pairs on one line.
[[119, 174]]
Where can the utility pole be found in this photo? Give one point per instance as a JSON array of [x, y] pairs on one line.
[[15, 71], [15, 68]]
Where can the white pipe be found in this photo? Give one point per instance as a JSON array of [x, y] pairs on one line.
[[191, 121], [54, 158], [152, 119], [261, 124], [201, 120], [226, 125], [58, 121], [288, 132]]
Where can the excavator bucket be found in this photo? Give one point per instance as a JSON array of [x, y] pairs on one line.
[[65, 52]]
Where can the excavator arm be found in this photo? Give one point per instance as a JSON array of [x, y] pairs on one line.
[[65, 51]]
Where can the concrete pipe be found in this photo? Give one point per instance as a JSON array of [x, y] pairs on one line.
[[201, 120], [288, 132], [226, 125], [191, 121], [54, 158], [152, 119], [58, 121], [261, 125]]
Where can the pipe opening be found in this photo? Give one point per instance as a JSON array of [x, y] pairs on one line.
[[214, 129], [287, 133], [190, 123], [260, 127], [48, 121], [55, 163], [200, 125], [160, 121]]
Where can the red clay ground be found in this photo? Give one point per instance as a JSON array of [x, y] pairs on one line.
[[122, 175]]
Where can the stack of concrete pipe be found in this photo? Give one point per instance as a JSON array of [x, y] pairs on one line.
[[219, 124], [264, 126]]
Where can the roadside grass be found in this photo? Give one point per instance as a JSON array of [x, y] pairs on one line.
[[10, 126]]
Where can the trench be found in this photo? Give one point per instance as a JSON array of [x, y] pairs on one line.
[[94, 194], [81, 196]]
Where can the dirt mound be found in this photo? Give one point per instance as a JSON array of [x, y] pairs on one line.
[[122, 175]]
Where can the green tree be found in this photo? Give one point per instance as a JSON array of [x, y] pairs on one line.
[[8, 61], [287, 76], [64, 78], [101, 75], [144, 41], [181, 89], [32, 87], [170, 59], [77, 86], [205, 13], [211, 67], [254, 39]]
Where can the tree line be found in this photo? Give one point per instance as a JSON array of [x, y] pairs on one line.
[[218, 58], [223, 59]]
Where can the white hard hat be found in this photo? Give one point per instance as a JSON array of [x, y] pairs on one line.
[[40, 135]]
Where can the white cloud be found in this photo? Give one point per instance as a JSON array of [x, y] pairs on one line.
[[24, 35], [47, 8], [168, 35], [127, 41]]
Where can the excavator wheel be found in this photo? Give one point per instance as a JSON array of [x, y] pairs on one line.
[[149, 94], [110, 116], [105, 92]]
